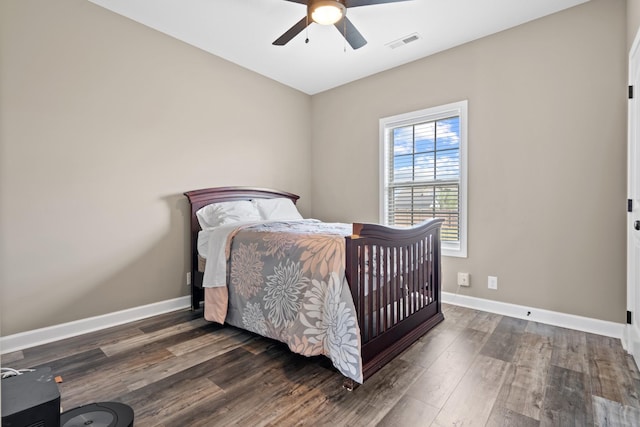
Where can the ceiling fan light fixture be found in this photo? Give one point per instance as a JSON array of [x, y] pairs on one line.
[[327, 12]]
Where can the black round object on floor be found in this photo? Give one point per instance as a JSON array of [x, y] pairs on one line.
[[101, 414]]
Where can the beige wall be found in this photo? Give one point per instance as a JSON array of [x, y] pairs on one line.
[[547, 156], [105, 123]]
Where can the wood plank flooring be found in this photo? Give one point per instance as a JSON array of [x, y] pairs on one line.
[[473, 369]]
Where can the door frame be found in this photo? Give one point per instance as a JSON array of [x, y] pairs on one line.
[[632, 335]]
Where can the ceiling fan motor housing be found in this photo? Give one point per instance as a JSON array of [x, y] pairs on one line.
[[337, 16], [326, 12]]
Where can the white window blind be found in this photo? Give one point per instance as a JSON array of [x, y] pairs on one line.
[[424, 169]]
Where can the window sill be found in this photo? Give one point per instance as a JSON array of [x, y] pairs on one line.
[[453, 251]]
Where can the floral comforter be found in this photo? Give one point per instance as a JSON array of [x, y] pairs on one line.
[[287, 282]]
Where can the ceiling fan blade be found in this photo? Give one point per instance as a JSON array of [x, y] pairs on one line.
[[356, 3], [298, 1], [291, 32], [351, 33]]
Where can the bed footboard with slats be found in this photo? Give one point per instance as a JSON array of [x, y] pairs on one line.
[[394, 276]]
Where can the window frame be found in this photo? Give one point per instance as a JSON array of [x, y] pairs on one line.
[[460, 109]]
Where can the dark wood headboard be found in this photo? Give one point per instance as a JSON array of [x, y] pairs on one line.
[[206, 196]]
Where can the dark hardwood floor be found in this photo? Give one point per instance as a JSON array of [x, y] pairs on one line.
[[474, 369]]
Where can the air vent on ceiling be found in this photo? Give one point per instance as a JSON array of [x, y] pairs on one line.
[[403, 41]]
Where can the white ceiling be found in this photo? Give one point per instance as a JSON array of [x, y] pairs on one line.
[[242, 31]]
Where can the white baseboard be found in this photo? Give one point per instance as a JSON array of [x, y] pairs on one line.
[[49, 334], [569, 321]]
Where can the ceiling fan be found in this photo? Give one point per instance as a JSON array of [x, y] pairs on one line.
[[330, 12]]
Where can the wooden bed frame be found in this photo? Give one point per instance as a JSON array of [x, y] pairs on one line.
[[393, 274]]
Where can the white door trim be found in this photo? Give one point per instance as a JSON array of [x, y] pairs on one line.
[[632, 335]]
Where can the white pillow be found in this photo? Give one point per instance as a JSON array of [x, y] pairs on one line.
[[217, 214], [280, 209]]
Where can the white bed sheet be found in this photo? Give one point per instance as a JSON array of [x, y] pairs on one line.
[[215, 241]]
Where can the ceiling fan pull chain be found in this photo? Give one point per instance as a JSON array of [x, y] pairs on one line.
[[306, 29], [344, 31]]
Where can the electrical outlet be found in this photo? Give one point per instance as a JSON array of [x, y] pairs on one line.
[[463, 279], [493, 282], [188, 278]]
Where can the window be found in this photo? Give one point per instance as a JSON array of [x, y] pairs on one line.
[[424, 171]]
